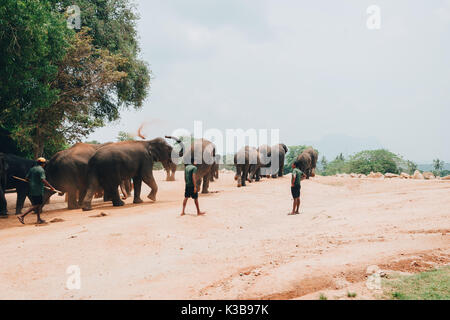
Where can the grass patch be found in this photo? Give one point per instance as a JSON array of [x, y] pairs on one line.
[[323, 297], [351, 294], [429, 285]]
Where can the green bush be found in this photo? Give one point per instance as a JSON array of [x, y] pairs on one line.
[[369, 161]]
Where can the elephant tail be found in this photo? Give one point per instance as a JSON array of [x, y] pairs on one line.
[[285, 147]]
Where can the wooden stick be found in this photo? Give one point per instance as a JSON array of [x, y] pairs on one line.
[[23, 180]]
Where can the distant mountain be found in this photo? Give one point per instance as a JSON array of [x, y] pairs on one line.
[[429, 167]]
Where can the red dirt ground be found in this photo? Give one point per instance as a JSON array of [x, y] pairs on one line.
[[246, 246]]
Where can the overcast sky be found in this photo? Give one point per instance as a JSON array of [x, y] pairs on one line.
[[309, 68]]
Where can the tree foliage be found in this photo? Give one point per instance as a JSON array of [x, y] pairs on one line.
[[369, 161], [57, 86], [112, 26]]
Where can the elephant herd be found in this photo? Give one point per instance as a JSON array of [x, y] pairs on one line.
[[268, 161], [86, 170]]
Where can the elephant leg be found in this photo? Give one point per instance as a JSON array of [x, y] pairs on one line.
[[21, 196], [94, 186], [206, 180], [3, 204], [81, 195], [72, 203], [237, 176], [258, 175], [281, 170], [150, 181], [114, 192], [137, 189], [244, 176]]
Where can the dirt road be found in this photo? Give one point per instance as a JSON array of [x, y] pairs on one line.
[[245, 247]]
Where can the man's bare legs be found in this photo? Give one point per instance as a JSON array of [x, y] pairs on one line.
[[297, 211], [37, 209], [295, 207], [199, 213], [184, 206], [196, 205]]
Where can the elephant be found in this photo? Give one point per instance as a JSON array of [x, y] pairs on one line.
[[18, 167], [314, 157], [307, 162], [202, 153], [117, 162], [3, 168], [67, 171], [279, 150], [267, 154], [247, 162]]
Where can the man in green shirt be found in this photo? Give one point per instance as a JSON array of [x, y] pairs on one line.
[[297, 176], [37, 180], [190, 177]]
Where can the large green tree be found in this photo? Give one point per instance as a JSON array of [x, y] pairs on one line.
[[112, 25], [57, 86], [380, 160], [33, 40]]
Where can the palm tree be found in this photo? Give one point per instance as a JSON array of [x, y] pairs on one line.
[[438, 165]]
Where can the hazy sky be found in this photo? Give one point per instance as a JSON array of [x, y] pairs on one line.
[[309, 68]]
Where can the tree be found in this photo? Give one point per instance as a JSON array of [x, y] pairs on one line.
[[56, 86], [338, 165], [323, 164], [412, 166], [124, 136], [33, 41], [112, 26], [438, 166], [368, 161]]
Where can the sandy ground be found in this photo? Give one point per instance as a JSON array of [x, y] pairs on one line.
[[246, 247]]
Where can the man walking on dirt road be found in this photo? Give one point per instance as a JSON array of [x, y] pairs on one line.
[[36, 178], [190, 177], [297, 176]]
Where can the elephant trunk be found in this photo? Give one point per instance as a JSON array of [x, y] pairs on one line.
[[180, 143]]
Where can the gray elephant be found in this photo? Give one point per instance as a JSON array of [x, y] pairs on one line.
[[3, 167], [67, 172], [314, 158], [113, 163], [267, 156], [307, 162], [247, 162], [202, 153], [280, 150], [16, 167]]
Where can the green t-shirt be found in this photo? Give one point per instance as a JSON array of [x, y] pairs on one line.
[[298, 176], [188, 172], [35, 176]]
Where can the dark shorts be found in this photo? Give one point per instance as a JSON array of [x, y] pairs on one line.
[[189, 193], [36, 200], [295, 192]]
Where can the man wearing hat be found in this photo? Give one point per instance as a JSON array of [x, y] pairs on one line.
[[36, 178]]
